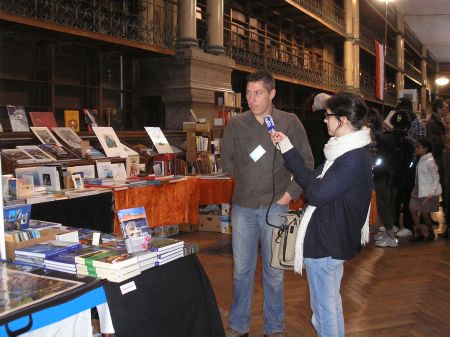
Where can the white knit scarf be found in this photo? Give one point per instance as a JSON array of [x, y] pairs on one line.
[[335, 148]]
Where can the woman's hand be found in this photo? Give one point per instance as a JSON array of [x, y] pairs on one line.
[[277, 137]]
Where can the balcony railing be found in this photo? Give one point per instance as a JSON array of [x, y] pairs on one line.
[[141, 21], [413, 72], [326, 10], [367, 85], [391, 56], [249, 48]]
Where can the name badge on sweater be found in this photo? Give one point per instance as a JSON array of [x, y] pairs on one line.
[[257, 153]]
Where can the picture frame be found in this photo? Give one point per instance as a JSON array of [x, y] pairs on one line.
[[44, 135], [109, 141], [88, 171], [159, 140], [49, 177], [68, 136], [104, 169], [77, 181], [18, 155], [36, 153]]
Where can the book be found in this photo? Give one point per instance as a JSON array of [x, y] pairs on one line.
[[43, 118], [44, 135], [104, 169], [18, 118], [16, 217], [169, 258], [164, 244], [90, 118], [135, 230], [68, 136], [117, 261], [119, 172], [41, 225], [93, 153], [48, 248], [72, 119], [132, 166], [88, 171]]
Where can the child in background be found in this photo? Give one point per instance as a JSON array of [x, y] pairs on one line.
[[425, 195]]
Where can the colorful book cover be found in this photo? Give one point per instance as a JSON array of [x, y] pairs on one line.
[[135, 230], [116, 261], [18, 118], [58, 152], [164, 244], [16, 217], [72, 119], [43, 118], [48, 248], [90, 118]]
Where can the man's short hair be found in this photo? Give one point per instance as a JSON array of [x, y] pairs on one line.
[[319, 101], [437, 104], [262, 75], [404, 103]]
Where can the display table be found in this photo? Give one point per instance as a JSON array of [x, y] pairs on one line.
[[173, 300], [36, 304]]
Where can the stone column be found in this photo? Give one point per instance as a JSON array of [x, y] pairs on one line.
[[356, 69], [187, 24], [424, 82], [214, 14], [400, 49], [348, 45]]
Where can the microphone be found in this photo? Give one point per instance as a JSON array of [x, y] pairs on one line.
[[270, 124]]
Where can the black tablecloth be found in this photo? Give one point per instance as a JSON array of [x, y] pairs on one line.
[[93, 211], [173, 300]]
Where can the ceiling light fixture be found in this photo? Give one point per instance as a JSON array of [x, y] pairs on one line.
[[442, 80]]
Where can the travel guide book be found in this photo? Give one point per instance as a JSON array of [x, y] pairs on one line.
[[135, 230], [16, 217], [43, 118]]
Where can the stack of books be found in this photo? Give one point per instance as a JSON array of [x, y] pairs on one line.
[[147, 259], [36, 254], [167, 249], [65, 262]]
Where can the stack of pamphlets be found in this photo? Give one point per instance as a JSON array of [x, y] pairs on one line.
[[167, 249], [36, 254]]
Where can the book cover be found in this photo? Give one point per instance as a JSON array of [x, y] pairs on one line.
[[164, 244], [90, 118], [135, 230], [132, 166], [104, 169], [68, 136], [116, 261], [72, 119], [87, 171], [18, 118], [93, 153], [118, 171], [40, 225], [16, 217], [44, 135], [43, 118]]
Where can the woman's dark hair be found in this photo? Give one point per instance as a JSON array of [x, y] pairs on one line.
[[438, 103], [354, 108], [262, 75], [426, 143]]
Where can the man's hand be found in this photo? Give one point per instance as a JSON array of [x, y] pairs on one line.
[[285, 199]]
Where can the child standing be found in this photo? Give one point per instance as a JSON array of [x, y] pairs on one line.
[[425, 195]]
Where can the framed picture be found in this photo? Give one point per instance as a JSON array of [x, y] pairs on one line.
[[159, 140], [77, 181], [88, 171], [18, 155], [44, 135], [68, 136], [109, 141], [49, 177], [104, 169], [36, 152]]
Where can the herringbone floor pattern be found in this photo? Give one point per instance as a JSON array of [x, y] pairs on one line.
[[387, 292]]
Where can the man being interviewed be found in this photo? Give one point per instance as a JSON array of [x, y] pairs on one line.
[[260, 177]]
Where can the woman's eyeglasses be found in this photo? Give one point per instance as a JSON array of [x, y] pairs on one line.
[[326, 115]]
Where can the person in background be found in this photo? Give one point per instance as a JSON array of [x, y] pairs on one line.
[[393, 158], [446, 179], [416, 130], [335, 223], [426, 192], [263, 188], [316, 129]]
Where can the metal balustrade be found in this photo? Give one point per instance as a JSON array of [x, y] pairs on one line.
[[142, 21], [326, 10]]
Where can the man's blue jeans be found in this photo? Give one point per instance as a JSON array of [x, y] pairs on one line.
[[249, 228], [324, 280]]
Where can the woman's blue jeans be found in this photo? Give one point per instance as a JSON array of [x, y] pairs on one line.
[[324, 280]]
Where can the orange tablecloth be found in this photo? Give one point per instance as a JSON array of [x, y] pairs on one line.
[[215, 191], [166, 204]]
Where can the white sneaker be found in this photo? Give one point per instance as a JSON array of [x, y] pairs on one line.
[[404, 233], [395, 229]]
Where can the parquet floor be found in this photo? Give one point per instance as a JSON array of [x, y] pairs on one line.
[[387, 292]]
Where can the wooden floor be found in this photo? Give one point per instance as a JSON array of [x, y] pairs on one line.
[[389, 292]]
